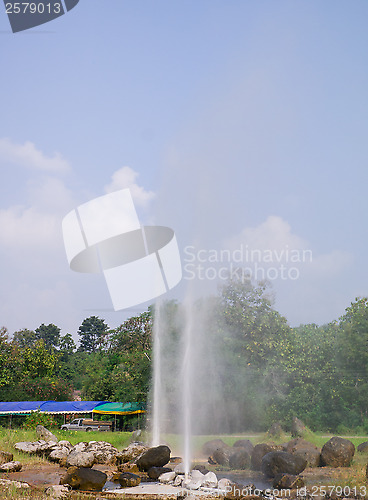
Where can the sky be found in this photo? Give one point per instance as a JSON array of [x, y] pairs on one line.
[[241, 124]]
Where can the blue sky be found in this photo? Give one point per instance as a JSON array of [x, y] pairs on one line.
[[242, 123]]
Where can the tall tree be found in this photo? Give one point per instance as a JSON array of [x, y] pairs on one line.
[[50, 334], [93, 334]]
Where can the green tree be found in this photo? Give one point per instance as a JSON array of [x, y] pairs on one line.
[[67, 345], [93, 334], [50, 334], [24, 338]]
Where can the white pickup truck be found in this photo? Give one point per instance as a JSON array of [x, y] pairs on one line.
[[84, 424]]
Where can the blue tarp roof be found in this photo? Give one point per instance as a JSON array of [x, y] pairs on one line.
[[19, 407]]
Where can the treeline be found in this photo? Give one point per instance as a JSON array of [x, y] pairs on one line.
[[264, 370]]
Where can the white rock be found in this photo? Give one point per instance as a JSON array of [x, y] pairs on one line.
[[197, 475], [11, 467], [179, 469], [178, 480], [167, 477], [194, 485], [210, 480], [223, 483], [58, 491], [7, 483]]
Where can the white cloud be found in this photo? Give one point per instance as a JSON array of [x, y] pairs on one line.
[[126, 177], [28, 156], [273, 234]]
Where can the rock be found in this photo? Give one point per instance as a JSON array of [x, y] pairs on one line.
[[244, 443], [210, 446], [178, 480], [281, 461], [167, 477], [132, 452], [337, 452], [11, 467], [104, 453], [259, 451], [298, 443], [275, 430], [287, 481], [298, 428], [36, 448], [224, 483], [5, 457], [128, 480], [201, 468], [80, 459], [192, 485], [304, 449], [59, 455], [155, 472], [57, 491], [197, 475], [240, 459], [82, 478], [221, 455], [128, 468], [210, 480], [154, 457], [45, 434], [362, 448], [8, 483], [136, 434], [180, 468]]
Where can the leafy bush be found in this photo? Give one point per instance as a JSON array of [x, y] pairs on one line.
[[39, 418]]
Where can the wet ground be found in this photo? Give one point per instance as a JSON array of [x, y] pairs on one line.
[[46, 474]]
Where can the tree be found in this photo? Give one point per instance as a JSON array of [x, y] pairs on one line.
[[50, 334], [93, 333], [67, 345], [24, 338]]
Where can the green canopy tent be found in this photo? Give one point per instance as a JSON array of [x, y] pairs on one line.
[[120, 409]]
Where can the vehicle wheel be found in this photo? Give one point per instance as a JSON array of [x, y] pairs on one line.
[[88, 429]]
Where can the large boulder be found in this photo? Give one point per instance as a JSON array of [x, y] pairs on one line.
[[306, 450], [239, 459], [221, 455], [132, 452], [298, 428], [244, 443], [45, 434], [5, 457], [277, 462], [210, 446], [157, 456], [337, 452], [259, 451], [11, 467], [82, 478], [128, 480], [362, 448]]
